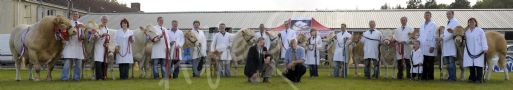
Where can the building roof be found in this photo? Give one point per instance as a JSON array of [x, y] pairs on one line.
[[495, 19]]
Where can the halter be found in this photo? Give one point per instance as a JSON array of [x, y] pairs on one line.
[[60, 34], [247, 39]]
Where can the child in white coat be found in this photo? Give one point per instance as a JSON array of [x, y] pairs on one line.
[[417, 58]]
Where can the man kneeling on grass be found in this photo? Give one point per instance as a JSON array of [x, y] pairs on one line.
[[258, 63], [294, 59]]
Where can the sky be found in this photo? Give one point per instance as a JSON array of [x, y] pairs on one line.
[[255, 5]]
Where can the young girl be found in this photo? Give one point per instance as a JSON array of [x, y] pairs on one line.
[[417, 59]]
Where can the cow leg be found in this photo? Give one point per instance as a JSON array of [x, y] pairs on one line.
[[37, 67], [30, 68], [49, 70], [462, 71], [111, 70], [490, 69], [131, 67], [394, 70], [17, 65], [93, 70]]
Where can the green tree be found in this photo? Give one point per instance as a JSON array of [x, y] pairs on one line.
[[413, 4], [493, 4], [460, 4]]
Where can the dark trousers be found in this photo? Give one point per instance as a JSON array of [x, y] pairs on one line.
[[123, 70], [415, 75], [99, 70], [200, 64], [401, 68], [368, 62], [313, 70], [476, 73], [428, 68], [296, 74], [175, 67]]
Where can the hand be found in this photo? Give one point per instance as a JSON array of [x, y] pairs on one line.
[[431, 50], [449, 30], [485, 51]]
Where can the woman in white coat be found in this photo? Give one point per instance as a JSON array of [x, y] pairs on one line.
[[312, 52], [475, 49], [124, 55]]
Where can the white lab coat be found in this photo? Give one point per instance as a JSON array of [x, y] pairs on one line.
[[223, 44], [340, 44], [417, 58], [286, 36], [313, 47], [202, 40], [125, 49], [401, 35], [427, 34], [159, 47], [99, 49], [476, 43], [178, 39], [266, 38], [449, 48], [73, 47], [371, 42]]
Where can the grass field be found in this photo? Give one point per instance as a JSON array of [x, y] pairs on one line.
[[324, 82]]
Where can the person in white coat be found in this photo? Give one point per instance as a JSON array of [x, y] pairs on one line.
[[314, 44], [427, 45], [160, 49], [99, 49], [371, 40], [475, 50], [402, 54], [73, 51], [198, 53], [341, 55], [176, 42], [417, 57], [124, 51], [263, 35], [222, 42], [285, 36], [448, 47]]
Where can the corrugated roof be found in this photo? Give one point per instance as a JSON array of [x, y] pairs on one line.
[[487, 18]]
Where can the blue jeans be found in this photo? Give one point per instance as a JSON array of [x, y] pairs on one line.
[[367, 68], [224, 68], [196, 71], [66, 68], [451, 67], [339, 66], [156, 63]]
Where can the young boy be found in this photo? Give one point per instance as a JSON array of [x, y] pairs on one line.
[[417, 59]]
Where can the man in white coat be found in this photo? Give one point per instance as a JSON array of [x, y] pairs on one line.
[[263, 35], [314, 44], [427, 45], [73, 51], [371, 41], [285, 36], [340, 56], [198, 53], [222, 42], [159, 49], [403, 53], [99, 48], [176, 39], [449, 48]]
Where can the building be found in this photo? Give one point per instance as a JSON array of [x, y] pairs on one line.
[[16, 12]]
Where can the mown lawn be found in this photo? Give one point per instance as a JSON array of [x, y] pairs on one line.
[[239, 82]]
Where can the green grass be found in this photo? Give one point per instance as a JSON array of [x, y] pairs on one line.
[[324, 82]]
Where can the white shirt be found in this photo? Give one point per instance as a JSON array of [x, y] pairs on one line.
[[159, 47], [203, 44], [125, 49], [178, 39], [340, 46], [99, 49], [417, 58], [73, 47], [476, 43], [266, 38], [401, 35], [371, 42], [427, 34], [222, 43], [314, 45], [286, 36], [449, 48]]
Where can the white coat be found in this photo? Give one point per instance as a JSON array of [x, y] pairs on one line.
[[476, 43], [73, 47], [371, 42], [449, 48], [285, 36], [99, 49], [417, 58], [401, 35], [427, 34], [340, 44], [159, 47], [313, 47], [202, 40], [125, 48], [266, 38], [176, 42], [223, 44]]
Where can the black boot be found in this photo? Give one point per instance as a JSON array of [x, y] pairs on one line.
[[266, 80]]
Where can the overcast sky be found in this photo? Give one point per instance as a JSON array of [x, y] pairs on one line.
[[241, 5]]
